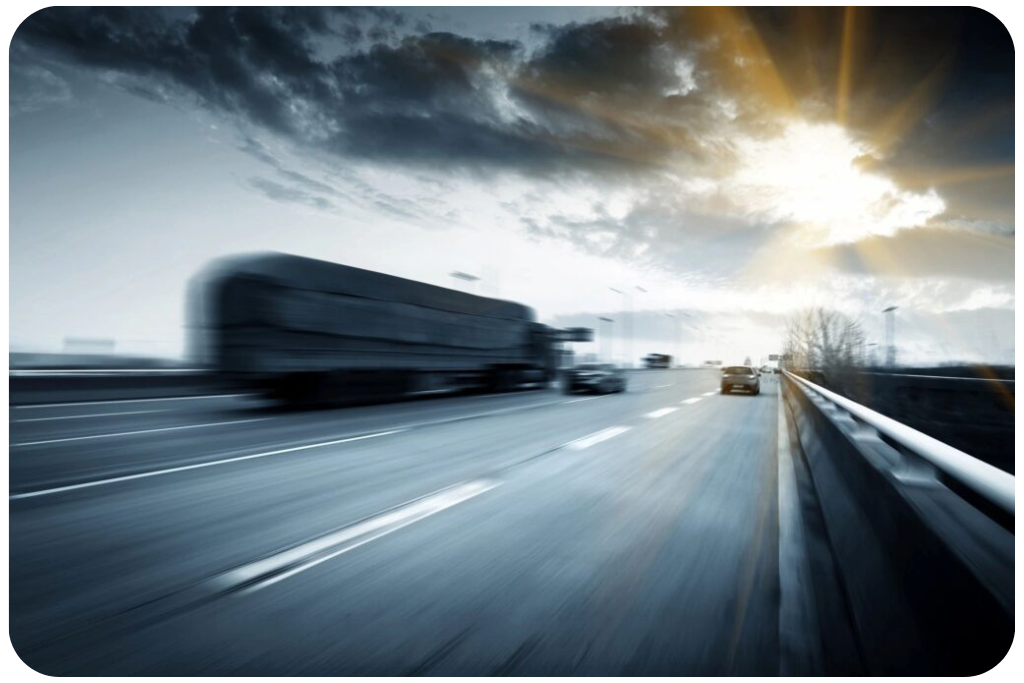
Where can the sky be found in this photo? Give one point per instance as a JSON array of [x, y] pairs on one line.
[[724, 168]]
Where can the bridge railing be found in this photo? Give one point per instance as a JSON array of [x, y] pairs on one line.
[[993, 484], [912, 541]]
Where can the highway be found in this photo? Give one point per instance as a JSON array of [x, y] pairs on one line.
[[521, 533]]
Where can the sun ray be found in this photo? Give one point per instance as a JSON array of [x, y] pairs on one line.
[[915, 178], [909, 112], [843, 86], [742, 58]]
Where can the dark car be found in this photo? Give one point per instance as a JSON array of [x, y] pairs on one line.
[[741, 377], [603, 378]]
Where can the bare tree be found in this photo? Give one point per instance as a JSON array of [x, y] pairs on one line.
[[823, 339]]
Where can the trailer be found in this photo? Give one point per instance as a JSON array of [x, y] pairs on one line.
[[657, 361], [302, 329]]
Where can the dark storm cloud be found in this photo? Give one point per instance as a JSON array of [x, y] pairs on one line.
[[625, 100], [626, 93], [439, 94], [609, 56], [606, 91], [419, 97]]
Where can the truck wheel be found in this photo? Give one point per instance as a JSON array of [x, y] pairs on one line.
[[502, 380]]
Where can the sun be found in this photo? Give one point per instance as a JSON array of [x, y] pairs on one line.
[[813, 176]]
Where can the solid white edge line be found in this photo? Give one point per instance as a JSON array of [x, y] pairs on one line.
[[81, 417], [127, 400], [288, 450], [196, 466], [138, 431]]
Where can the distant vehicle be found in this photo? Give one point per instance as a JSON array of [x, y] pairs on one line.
[[306, 331], [741, 377], [657, 361], [603, 378]]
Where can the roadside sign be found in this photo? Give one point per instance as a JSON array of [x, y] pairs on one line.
[[773, 356]]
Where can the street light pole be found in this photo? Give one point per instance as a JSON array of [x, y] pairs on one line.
[[678, 322], [890, 336], [702, 344], [629, 317], [628, 296], [606, 340], [872, 352]]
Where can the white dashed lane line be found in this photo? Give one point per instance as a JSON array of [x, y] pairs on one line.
[[691, 401], [661, 412], [710, 393], [270, 570], [595, 438]]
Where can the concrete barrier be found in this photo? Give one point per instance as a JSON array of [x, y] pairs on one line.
[[924, 576]]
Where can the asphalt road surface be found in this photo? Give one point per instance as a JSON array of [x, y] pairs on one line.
[[522, 533]]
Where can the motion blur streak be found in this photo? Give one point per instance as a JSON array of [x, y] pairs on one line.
[[290, 562], [133, 433], [186, 468], [622, 551]]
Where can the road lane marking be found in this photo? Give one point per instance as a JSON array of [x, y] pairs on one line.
[[138, 431], [82, 417], [595, 438], [490, 413], [661, 412], [127, 400], [99, 372], [270, 570], [402, 428], [196, 466], [663, 386], [691, 401], [710, 393]]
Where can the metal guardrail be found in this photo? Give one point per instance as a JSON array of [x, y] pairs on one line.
[[990, 482], [947, 377]]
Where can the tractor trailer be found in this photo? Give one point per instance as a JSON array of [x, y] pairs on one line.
[[300, 329]]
